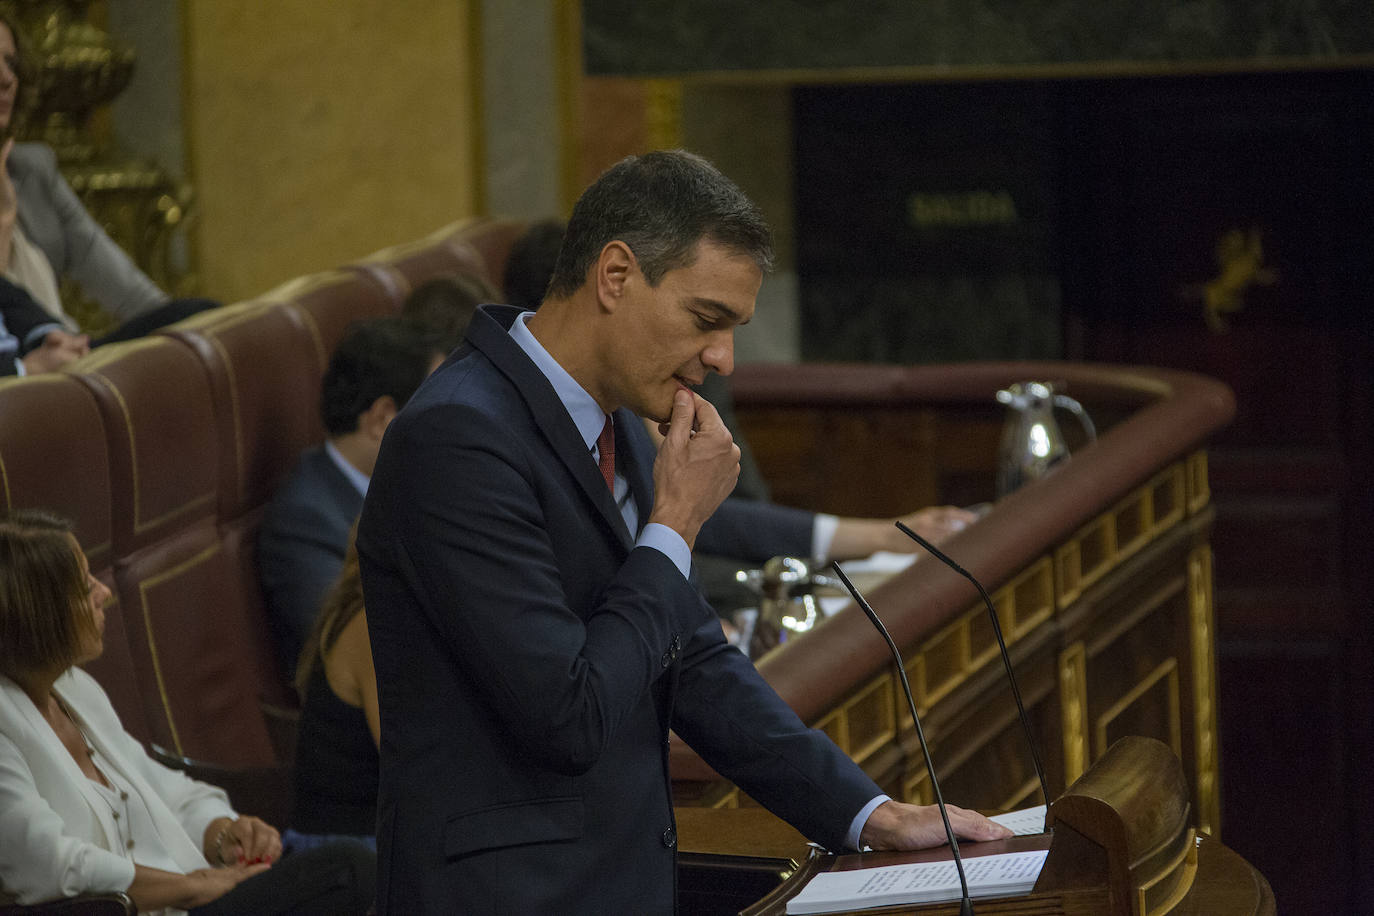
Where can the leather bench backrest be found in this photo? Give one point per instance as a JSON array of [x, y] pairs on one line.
[[166, 450], [264, 380], [158, 415], [327, 303], [403, 267], [54, 456], [189, 630], [492, 240]]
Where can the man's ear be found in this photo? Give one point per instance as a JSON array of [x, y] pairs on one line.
[[376, 418], [613, 268]]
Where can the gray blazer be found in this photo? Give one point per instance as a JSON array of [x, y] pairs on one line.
[[77, 248]]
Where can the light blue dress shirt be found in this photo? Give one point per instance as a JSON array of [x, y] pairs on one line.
[[589, 419], [355, 476]]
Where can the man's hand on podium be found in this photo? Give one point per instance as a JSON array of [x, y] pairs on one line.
[[898, 826]]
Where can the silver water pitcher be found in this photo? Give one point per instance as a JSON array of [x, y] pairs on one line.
[[1032, 442], [787, 601]]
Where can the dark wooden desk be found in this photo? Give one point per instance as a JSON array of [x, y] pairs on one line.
[[754, 847], [1100, 572]]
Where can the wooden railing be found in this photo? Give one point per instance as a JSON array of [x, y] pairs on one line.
[[1100, 573]]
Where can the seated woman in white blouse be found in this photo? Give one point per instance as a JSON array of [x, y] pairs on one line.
[[83, 808]]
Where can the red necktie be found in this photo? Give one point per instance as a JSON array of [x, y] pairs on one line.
[[605, 447]]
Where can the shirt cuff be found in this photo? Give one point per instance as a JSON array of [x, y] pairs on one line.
[[823, 535], [34, 339], [856, 827], [98, 871], [669, 543]]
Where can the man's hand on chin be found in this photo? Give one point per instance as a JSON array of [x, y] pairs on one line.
[[895, 825]]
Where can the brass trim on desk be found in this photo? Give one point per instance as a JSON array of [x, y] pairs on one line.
[[1073, 710], [1030, 599], [1166, 672], [1200, 614]]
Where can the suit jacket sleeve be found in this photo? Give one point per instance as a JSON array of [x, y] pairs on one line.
[[301, 548], [41, 860], [462, 507], [754, 531], [734, 719], [9, 350], [24, 318], [74, 244]]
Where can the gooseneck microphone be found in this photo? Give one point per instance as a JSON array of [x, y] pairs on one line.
[[965, 905], [1001, 645]]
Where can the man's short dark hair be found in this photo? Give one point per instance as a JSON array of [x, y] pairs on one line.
[[444, 306], [375, 358], [661, 205], [531, 262]]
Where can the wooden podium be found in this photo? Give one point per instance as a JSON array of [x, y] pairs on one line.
[[1120, 844]]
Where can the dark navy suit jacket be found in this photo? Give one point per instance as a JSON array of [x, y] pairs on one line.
[[753, 531], [530, 661], [301, 548]]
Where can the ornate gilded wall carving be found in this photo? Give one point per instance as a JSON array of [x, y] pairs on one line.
[[77, 71]]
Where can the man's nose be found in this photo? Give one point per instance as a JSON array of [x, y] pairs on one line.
[[719, 356]]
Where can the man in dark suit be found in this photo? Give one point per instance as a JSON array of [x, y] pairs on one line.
[[31, 340], [747, 529], [373, 371], [525, 562]]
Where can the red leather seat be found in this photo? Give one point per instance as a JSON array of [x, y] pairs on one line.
[[54, 456], [190, 633]]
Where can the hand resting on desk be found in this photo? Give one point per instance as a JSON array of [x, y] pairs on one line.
[[898, 826]]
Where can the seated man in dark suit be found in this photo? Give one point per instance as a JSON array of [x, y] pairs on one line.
[[526, 557], [301, 545], [31, 340]]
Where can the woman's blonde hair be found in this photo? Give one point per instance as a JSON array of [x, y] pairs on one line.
[[45, 612], [341, 605]]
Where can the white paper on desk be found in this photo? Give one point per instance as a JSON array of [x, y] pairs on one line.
[[926, 882], [1025, 822], [878, 563]]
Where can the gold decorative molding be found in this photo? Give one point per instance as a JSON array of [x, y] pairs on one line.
[[1156, 897], [77, 71], [968, 73], [1073, 710], [916, 787], [1199, 490], [1166, 672], [872, 718], [1113, 537], [1240, 266], [1208, 764], [1023, 796]]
